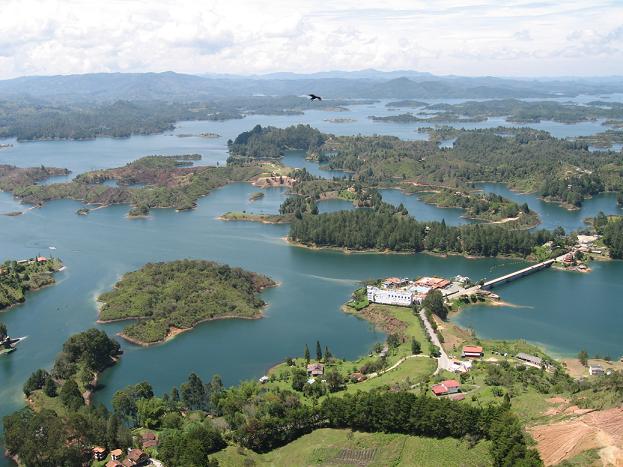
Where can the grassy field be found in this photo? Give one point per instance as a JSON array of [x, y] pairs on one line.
[[347, 448]]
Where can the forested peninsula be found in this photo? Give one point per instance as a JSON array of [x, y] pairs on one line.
[[386, 228], [168, 298], [18, 277]]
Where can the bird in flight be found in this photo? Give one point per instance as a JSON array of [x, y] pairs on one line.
[[313, 97]]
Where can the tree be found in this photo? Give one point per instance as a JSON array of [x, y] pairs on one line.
[[335, 381], [327, 354], [583, 357], [318, 351], [299, 378], [3, 331], [150, 412], [49, 388], [306, 355], [393, 340], [434, 303], [70, 395], [175, 395], [36, 381], [193, 393], [416, 348]]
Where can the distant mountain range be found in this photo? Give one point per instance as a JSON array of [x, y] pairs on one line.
[[375, 84]]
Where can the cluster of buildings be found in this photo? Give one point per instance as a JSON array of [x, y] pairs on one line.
[[404, 292], [133, 458]]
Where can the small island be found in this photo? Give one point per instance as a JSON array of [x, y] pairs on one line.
[[18, 277], [256, 196], [169, 298]]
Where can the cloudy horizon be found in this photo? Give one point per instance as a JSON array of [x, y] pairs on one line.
[[520, 38]]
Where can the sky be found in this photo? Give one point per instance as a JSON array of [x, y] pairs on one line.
[[468, 37]]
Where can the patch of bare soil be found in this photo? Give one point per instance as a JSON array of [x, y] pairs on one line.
[[601, 429]]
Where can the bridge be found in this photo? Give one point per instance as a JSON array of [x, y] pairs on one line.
[[517, 274]]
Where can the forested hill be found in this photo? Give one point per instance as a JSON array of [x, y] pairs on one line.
[[386, 228], [524, 159]]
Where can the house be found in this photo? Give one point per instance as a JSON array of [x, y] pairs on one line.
[[358, 377], [149, 440], [99, 453], [315, 369], [389, 296], [596, 370], [116, 454], [472, 351], [136, 457], [41, 259], [531, 360], [394, 282], [450, 386], [264, 379], [113, 463]]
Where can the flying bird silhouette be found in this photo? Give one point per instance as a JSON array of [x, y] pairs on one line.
[[313, 97]]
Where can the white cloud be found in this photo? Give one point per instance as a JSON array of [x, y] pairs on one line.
[[497, 37]]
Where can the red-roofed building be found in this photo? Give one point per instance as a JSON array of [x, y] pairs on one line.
[[116, 454], [315, 369], [449, 386], [136, 457], [41, 259], [473, 351]]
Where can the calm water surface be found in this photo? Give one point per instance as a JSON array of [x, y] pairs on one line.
[[564, 311]]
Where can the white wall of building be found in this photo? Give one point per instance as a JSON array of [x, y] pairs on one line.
[[389, 296]]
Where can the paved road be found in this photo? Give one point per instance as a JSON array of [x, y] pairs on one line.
[[443, 362]]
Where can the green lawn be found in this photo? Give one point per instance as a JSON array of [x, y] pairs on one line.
[[346, 448]]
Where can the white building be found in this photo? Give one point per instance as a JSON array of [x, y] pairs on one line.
[[390, 296], [596, 370]]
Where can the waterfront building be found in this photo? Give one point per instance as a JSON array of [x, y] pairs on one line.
[[530, 359], [390, 296], [596, 370], [472, 351], [315, 369]]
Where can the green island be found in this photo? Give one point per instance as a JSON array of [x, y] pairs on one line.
[[406, 103], [487, 207], [610, 229], [166, 299], [446, 117], [20, 276]]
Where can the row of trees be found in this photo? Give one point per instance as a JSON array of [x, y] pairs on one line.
[[384, 229]]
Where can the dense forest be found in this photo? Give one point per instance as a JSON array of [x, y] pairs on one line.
[[181, 294], [388, 228], [611, 228], [16, 278]]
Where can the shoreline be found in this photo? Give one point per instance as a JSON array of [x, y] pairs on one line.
[[174, 331]]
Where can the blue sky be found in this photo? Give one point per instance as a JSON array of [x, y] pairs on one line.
[[501, 38]]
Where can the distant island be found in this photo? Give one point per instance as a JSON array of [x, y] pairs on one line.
[[18, 277], [256, 196], [340, 120], [169, 298]]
